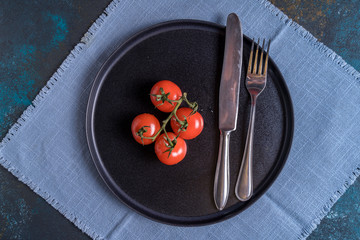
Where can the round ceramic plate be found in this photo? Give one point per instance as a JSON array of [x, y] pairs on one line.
[[189, 53]]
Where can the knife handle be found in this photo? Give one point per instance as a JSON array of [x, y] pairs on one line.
[[222, 174]]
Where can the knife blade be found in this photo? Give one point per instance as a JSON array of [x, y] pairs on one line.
[[228, 105]]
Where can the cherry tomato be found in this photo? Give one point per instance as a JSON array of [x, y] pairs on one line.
[[168, 87], [150, 125], [195, 123], [177, 154]]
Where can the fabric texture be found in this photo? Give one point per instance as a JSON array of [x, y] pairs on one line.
[[47, 149]]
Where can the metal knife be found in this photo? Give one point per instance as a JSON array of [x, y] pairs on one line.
[[228, 105]]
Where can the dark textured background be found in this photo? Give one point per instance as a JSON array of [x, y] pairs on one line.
[[36, 36]]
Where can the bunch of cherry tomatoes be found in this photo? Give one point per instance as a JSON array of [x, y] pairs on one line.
[[186, 123]]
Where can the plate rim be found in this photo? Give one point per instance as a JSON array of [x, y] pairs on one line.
[[106, 176]]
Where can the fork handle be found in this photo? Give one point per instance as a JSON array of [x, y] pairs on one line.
[[222, 174], [244, 183]]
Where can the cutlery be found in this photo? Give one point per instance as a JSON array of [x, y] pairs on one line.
[[255, 83], [228, 105]]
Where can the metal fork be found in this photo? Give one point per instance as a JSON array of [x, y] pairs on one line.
[[255, 84]]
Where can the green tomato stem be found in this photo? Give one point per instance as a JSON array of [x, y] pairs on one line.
[[165, 122], [173, 113]]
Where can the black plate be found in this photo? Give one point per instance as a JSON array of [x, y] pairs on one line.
[[189, 53]]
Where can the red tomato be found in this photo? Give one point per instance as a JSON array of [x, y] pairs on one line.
[[177, 154], [195, 123], [149, 122], [168, 87]]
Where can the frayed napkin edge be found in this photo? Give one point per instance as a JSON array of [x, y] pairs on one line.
[[323, 49], [49, 199], [313, 41], [35, 103], [326, 209], [340, 62]]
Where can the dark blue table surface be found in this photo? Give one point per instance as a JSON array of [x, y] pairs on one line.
[[36, 36]]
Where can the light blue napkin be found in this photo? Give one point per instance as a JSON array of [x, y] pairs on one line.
[[47, 150]]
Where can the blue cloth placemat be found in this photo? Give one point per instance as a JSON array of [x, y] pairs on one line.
[[47, 150]]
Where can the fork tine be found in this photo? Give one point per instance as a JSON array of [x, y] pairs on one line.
[[251, 56], [256, 55], [266, 59], [261, 58]]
